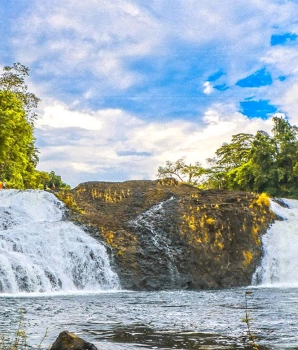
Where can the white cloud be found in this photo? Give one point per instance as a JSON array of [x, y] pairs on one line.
[[283, 61], [282, 58], [58, 116], [104, 136], [207, 88], [69, 37], [98, 38]]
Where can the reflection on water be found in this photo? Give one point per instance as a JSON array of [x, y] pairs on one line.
[[160, 320], [149, 338]]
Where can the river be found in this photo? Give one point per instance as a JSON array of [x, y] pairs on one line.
[[159, 320]]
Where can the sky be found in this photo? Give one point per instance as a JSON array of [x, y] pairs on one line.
[[126, 85]]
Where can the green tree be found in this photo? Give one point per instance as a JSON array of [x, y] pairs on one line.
[[286, 139], [56, 180], [261, 163], [188, 173], [18, 156], [13, 80], [231, 155], [253, 173]]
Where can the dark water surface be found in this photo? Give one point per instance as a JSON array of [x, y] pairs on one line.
[[159, 320]]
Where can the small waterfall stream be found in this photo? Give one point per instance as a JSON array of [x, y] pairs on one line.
[[150, 222], [279, 266], [39, 252]]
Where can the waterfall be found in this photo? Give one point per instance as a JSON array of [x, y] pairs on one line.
[[151, 222], [40, 252], [279, 266]]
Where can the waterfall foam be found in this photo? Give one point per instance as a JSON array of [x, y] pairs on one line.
[[279, 266], [39, 252]]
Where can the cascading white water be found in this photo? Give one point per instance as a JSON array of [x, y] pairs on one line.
[[279, 266], [39, 252], [150, 222]]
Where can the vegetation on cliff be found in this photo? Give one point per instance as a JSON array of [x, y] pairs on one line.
[[168, 235], [18, 154], [254, 163]]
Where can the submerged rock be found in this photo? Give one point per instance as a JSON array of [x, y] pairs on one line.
[[168, 235], [69, 341]]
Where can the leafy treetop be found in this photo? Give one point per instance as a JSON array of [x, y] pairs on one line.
[[13, 80], [260, 163], [18, 154]]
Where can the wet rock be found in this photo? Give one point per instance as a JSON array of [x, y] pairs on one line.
[[69, 341], [280, 202], [166, 235]]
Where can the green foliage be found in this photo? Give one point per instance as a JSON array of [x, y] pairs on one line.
[[56, 181], [269, 163], [18, 154], [179, 170], [247, 320], [13, 80], [231, 155], [255, 163]]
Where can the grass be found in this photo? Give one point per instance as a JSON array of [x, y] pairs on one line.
[[18, 341], [247, 320]]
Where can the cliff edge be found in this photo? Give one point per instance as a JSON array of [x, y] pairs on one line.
[[167, 235]]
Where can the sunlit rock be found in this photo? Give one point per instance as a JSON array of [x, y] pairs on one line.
[[168, 235], [69, 341]]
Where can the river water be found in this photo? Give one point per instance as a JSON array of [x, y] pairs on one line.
[[54, 277], [159, 320]]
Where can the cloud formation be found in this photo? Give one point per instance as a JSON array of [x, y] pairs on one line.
[[129, 84], [116, 146]]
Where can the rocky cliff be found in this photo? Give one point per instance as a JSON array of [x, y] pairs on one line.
[[166, 235]]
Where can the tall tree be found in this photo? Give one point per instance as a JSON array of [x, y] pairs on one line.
[[13, 80], [260, 163], [231, 155], [18, 156]]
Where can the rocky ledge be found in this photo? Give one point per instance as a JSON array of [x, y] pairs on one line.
[[167, 235]]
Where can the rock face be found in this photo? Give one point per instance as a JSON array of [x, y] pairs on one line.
[[166, 235]]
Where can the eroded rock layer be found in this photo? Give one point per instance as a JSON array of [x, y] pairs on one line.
[[166, 235]]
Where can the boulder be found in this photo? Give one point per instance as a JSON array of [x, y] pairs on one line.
[[69, 341]]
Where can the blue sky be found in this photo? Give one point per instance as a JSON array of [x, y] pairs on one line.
[[128, 84]]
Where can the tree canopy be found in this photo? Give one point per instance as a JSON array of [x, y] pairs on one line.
[[13, 80], [259, 163], [181, 171], [18, 154]]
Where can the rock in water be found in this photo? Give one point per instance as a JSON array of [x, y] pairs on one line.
[[69, 341]]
